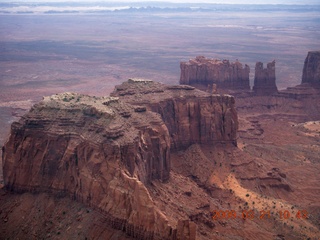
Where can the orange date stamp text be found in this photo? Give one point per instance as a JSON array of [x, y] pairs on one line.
[[254, 214]]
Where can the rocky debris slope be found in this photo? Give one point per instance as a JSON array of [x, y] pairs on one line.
[[191, 116], [311, 69], [42, 216], [206, 71], [265, 79]]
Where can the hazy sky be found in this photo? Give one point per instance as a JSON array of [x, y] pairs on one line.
[[184, 1]]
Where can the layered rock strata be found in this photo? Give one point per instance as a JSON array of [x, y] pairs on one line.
[[99, 151], [191, 116], [311, 69], [104, 151], [207, 71], [265, 79]]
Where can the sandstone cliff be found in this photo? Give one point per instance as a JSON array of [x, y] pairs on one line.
[[191, 116], [311, 69], [99, 151], [105, 151], [206, 71], [265, 79]]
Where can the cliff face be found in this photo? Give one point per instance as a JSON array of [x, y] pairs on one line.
[[104, 151], [97, 150], [265, 79], [211, 119], [191, 116], [206, 71], [311, 69]]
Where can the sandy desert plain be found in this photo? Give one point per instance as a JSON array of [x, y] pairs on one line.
[[90, 53], [43, 54]]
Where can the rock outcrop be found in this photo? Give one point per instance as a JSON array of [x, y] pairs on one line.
[[206, 71], [191, 116], [311, 69], [265, 79], [99, 151], [106, 151]]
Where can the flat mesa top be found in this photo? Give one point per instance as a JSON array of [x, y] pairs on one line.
[[74, 101], [315, 52], [203, 60], [139, 80]]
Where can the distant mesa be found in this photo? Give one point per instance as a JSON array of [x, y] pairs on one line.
[[265, 79], [310, 83], [225, 74], [213, 74], [311, 69]]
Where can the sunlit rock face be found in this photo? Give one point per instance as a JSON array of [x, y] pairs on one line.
[[225, 74]]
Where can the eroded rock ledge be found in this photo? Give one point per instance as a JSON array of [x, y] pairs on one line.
[[103, 151]]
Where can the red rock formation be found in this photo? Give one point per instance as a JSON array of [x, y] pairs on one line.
[[192, 116], [265, 79], [311, 69], [104, 151], [206, 71], [87, 148]]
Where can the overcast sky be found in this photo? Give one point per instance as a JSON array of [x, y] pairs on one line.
[[184, 1]]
